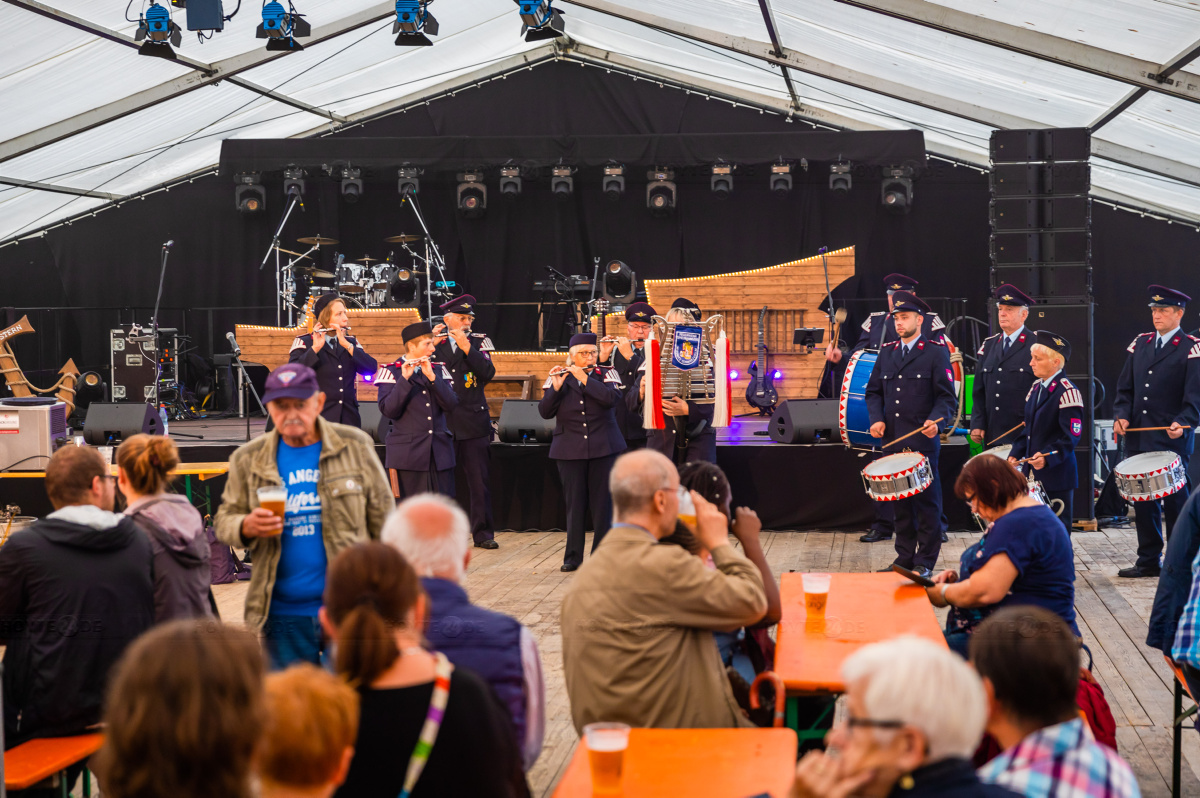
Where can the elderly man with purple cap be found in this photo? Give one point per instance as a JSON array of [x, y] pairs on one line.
[[335, 492], [336, 357], [582, 399], [1159, 387]]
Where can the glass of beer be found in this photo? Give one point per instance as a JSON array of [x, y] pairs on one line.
[[816, 593], [273, 498], [606, 744], [687, 508]]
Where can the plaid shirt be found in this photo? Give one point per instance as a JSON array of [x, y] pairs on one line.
[[1187, 633], [1062, 761]]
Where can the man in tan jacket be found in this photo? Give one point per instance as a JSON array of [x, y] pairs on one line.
[[637, 622]]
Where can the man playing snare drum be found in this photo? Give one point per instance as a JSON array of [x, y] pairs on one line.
[[912, 388]]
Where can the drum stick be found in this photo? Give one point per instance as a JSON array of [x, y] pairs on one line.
[[1039, 454], [1147, 429], [914, 432], [1002, 434]]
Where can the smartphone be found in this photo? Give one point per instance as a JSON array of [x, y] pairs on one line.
[[920, 580]]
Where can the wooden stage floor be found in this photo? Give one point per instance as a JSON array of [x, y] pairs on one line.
[[522, 579]]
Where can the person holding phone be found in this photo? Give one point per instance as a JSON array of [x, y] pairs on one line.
[[1024, 557]]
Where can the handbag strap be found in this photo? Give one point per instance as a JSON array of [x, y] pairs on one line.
[[433, 723]]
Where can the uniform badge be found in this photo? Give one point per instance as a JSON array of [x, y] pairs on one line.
[[469, 381], [1076, 426], [950, 375], [685, 349]]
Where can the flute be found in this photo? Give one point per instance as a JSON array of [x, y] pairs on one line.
[[323, 330]]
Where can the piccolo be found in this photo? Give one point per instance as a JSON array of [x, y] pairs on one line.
[[323, 330], [554, 372]]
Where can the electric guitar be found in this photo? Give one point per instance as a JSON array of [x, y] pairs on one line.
[[760, 393]]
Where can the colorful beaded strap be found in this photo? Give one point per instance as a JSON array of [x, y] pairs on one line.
[[433, 723]]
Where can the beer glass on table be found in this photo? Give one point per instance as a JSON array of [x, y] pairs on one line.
[[816, 594], [606, 744], [273, 498]]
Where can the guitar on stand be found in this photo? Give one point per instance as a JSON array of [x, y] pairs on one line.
[[761, 393]]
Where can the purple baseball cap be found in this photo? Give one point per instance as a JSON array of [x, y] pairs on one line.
[[291, 381]]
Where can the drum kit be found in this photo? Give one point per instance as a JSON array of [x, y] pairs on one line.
[[362, 283]]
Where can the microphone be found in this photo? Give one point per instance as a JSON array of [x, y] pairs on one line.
[[237, 350], [169, 244]]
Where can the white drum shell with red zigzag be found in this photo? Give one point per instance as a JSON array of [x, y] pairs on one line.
[[897, 476], [1150, 476]]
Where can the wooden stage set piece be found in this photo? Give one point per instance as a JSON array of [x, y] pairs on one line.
[[64, 389], [791, 291]]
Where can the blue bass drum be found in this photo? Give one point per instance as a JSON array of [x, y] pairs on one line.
[[854, 422]]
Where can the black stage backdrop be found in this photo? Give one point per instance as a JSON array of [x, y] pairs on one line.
[[98, 266]]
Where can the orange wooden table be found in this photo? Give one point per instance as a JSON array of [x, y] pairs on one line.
[[861, 609], [31, 762], [709, 762]]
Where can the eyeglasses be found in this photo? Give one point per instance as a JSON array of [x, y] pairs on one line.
[[871, 723]]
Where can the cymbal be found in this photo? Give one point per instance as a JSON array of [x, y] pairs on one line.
[[403, 239], [365, 260], [289, 252], [317, 240], [312, 271]]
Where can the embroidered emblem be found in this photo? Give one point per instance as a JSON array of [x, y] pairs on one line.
[[685, 348], [287, 377], [1076, 426]]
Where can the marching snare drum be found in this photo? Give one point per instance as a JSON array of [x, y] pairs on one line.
[[998, 451], [897, 476], [1149, 477], [854, 422]]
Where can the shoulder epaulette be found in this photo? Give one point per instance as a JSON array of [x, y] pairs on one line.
[[297, 343], [1032, 388], [1195, 351], [937, 323], [384, 376], [1071, 396], [1134, 342]]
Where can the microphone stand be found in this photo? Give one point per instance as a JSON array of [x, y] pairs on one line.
[[237, 359], [436, 260], [162, 274], [293, 198]]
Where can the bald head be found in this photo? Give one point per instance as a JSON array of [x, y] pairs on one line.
[[433, 534], [636, 477]]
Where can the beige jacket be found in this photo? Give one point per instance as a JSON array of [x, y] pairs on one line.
[[637, 626], [355, 499]]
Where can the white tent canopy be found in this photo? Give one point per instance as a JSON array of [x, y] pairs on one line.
[[88, 122]]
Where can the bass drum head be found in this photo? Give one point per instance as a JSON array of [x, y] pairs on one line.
[[894, 464]]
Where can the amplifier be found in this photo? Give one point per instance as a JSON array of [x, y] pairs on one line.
[[30, 428]]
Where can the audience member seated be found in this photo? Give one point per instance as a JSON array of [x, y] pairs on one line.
[[915, 713], [637, 620], [1175, 585], [434, 535], [75, 589], [1024, 557], [183, 715], [175, 528], [425, 727], [1028, 659], [308, 742]]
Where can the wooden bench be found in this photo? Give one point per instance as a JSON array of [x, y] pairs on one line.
[[32, 762], [1178, 726]]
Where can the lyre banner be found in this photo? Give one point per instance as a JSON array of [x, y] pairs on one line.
[[64, 389]]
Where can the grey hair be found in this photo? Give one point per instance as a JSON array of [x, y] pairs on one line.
[[431, 550], [635, 478], [913, 680], [1055, 357]]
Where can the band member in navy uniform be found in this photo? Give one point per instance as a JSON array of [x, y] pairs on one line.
[[689, 435], [465, 354], [336, 357], [1159, 387], [1053, 424], [910, 388], [877, 330], [582, 398], [627, 354], [1002, 373], [416, 393]]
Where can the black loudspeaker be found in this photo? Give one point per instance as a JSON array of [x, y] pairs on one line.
[[107, 422], [520, 422], [374, 422], [805, 421]]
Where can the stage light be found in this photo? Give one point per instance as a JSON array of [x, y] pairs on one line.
[[619, 283], [540, 21], [781, 179], [413, 22], [722, 180], [896, 190], [733, 375], [561, 183], [778, 375], [405, 291], [472, 195], [157, 32], [839, 178], [293, 183], [368, 377], [408, 180], [248, 195], [352, 184], [660, 191], [280, 27], [510, 182], [614, 182]]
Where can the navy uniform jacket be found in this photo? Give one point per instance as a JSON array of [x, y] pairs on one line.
[[469, 374], [629, 420], [880, 328], [419, 439], [335, 368], [904, 394], [1001, 382], [1156, 390], [1053, 423], [585, 421]]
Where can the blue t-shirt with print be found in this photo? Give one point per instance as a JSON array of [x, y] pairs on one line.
[[300, 577]]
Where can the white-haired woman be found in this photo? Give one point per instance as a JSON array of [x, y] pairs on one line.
[[915, 715], [1053, 424], [582, 399]]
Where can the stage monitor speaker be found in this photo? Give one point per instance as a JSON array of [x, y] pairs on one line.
[[373, 422], [107, 422], [520, 422], [805, 421]]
